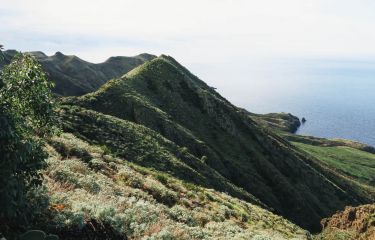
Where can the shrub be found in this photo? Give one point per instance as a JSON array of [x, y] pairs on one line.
[[181, 214], [201, 218], [89, 183], [68, 150], [244, 217], [97, 164], [162, 178], [160, 192], [26, 117]]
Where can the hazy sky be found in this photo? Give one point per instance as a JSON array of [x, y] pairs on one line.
[[242, 47], [313, 58], [199, 31]]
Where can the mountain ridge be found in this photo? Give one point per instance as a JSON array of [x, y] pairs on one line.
[[157, 153], [74, 76], [166, 97]]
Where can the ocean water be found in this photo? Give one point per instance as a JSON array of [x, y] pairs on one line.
[[337, 97]]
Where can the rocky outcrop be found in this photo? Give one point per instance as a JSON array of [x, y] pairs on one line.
[[358, 222], [279, 121]]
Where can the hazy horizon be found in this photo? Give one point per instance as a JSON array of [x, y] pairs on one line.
[[265, 56]]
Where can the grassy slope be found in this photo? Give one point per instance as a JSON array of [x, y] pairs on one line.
[[95, 195], [323, 142], [164, 96], [352, 162], [74, 76], [145, 147]]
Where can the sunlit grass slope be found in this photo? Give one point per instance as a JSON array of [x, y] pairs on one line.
[[352, 162], [96, 195], [164, 96]]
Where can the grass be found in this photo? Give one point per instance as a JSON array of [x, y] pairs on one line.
[[324, 142], [349, 164], [134, 202], [211, 135], [158, 154], [145, 147], [355, 163]]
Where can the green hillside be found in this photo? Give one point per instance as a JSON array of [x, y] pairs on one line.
[[348, 163], [352, 162], [96, 195], [145, 147], [164, 96], [73, 76], [159, 154]]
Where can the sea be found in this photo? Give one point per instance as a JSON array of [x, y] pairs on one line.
[[335, 96]]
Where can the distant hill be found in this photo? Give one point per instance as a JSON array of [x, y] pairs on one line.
[[74, 76], [165, 97]]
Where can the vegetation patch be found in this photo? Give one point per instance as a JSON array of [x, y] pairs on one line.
[[354, 163], [135, 204]]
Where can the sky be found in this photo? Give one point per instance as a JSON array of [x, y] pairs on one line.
[[231, 44], [312, 58], [200, 31]]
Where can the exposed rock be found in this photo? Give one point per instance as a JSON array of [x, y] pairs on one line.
[[279, 121], [359, 222]]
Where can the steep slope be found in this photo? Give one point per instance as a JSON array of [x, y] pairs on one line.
[[166, 97], [348, 163], [354, 163], [74, 76], [95, 195], [146, 147]]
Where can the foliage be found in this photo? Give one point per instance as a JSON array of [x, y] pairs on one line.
[[26, 116], [145, 147], [211, 135], [127, 202], [160, 148], [26, 96]]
